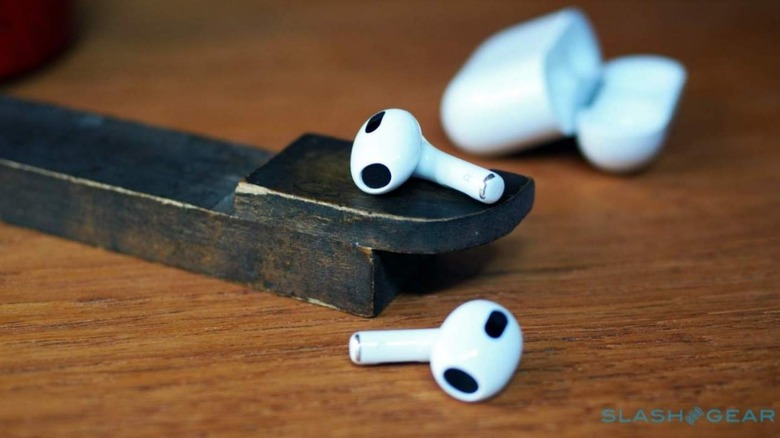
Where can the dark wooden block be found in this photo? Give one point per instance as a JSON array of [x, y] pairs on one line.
[[296, 225]]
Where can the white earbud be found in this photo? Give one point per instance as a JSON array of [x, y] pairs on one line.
[[473, 355], [390, 148]]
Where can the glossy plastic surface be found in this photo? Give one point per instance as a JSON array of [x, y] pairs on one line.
[[626, 126], [523, 85], [389, 148], [473, 355], [466, 345], [544, 79]]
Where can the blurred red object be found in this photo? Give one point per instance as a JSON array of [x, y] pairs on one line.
[[32, 31]]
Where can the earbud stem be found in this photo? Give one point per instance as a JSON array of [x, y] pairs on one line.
[[442, 168], [389, 346]]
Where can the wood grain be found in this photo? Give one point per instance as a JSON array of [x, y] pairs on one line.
[[296, 225], [658, 290]]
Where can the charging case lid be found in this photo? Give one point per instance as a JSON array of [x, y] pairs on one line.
[[545, 79], [626, 124]]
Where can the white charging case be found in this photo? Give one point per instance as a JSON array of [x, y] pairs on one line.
[[545, 79]]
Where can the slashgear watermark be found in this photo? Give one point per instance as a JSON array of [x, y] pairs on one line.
[[692, 416]]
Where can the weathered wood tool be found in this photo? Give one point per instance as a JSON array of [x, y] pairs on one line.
[[294, 224]]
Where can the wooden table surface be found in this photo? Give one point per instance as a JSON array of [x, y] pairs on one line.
[[654, 291]]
